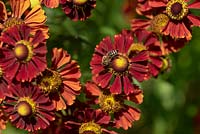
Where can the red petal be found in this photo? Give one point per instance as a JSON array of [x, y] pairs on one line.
[[157, 3], [138, 75], [142, 37], [104, 46], [142, 56], [139, 67], [93, 88], [102, 118], [12, 69], [135, 113], [103, 79], [137, 96], [116, 87], [157, 61], [3, 12], [128, 86], [40, 62], [153, 70], [123, 42], [25, 31], [22, 74], [123, 122], [178, 30], [194, 19], [194, 5], [34, 70], [137, 24], [38, 37], [59, 57]]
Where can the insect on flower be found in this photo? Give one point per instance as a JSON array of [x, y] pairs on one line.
[[106, 59]]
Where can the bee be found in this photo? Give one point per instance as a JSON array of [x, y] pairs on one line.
[[106, 59]]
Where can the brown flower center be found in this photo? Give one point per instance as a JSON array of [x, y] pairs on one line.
[[177, 9], [90, 128], [120, 64], [159, 22], [108, 103], [80, 2], [50, 81], [23, 51], [10, 22], [25, 106]]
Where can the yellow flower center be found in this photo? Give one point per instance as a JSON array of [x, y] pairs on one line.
[[50, 81], [108, 103], [90, 128], [159, 22], [136, 48], [23, 51], [80, 2], [10, 22], [25, 106], [177, 9], [1, 72], [120, 63]]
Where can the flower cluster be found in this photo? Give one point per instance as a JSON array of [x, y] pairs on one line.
[[35, 92]]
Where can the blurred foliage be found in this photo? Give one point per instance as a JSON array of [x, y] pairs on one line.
[[171, 102]]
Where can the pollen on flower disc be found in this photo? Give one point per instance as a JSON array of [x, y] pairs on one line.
[[159, 22], [10, 22], [120, 63], [21, 51], [177, 9], [24, 108], [90, 128], [80, 2]]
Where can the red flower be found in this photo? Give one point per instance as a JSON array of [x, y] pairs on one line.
[[89, 121], [61, 81], [58, 125], [155, 49], [23, 14], [156, 25], [28, 108], [78, 9], [24, 56], [180, 18], [170, 45], [123, 114], [114, 63]]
